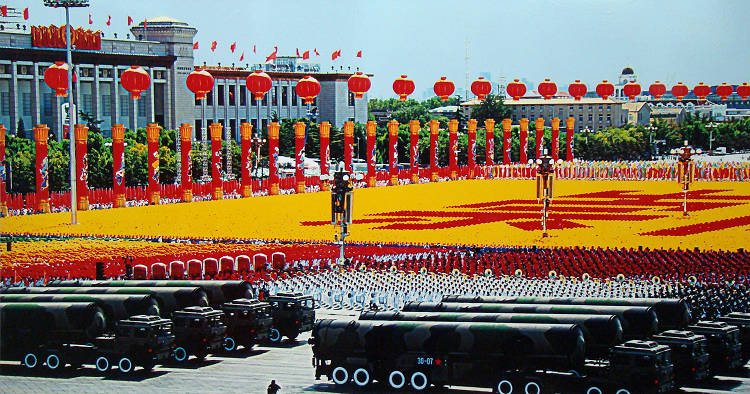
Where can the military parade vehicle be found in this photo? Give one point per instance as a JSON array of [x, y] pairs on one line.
[[293, 313], [724, 348], [248, 322], [742, 322], [689, 354], [198, 331]]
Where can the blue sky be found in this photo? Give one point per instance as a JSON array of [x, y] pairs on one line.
[[591, 40]]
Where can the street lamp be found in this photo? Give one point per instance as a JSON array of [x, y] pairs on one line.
[[67, 4], [685, 171], [257, 142], [651, 128], [545, 177], [341, 202], [711, 126]]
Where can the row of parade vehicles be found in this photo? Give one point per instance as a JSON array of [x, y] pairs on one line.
[[128, 324], [532, 345]]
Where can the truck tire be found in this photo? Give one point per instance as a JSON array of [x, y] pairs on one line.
[[340, 376], [622, 391], [361, 377], [180, 354], [229, 344], [102, 364], [201, 354], [419, 381], [125, 365], [504, 386], [148, 365], [594, 390], [274, 335], [53, 361], [396, 380], [292, 335], [532, 387], [30, 361]]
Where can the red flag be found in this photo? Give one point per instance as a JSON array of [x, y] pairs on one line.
[[316, 51], [195, 45], [130, 21], [91, 21], [359, 54], [242, 57], [213, 46], [144, 23], [298, 53], [253, 48], [334, 55], [26, 13], [233, 46], [109, 20], [306, 55], [4, 11], [272, 56]]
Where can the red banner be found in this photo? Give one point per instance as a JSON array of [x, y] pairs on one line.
[[118, 165], [54, 37], [299, 154], [3, 174], [555, 138], [453, 148], [152, 136], [434, 130], [414, 149], [489, 142], [41, 133], [348, 145], [471, 149], [82, 166], [507, 123], [325, 152], [218, 189], [186, 158], [273, 157], [372, 127], [524, 141], [539, 126], [569, 124], [246, 154], [393, 151]]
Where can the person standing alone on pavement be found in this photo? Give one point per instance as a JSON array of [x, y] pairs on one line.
[[273, 388]]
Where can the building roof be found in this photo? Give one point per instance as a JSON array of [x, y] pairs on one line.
[[554, 101], [162, 20], [627, 71], [666, 111], [634, 107]]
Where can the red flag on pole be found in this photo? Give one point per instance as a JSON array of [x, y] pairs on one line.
[[195, 45], [26, 13], [144, 23], [91, 21], [298, 53], [242, 57], [109, 20], [306, 55], [359, 54], [272, 56], [233, 46], [334, 55], [4, 11], [130, 20], [254, 49], [316, 51], [213, 46]]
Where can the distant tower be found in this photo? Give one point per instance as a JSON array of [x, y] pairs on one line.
[[626, 76], [501, 83], [468, 75]]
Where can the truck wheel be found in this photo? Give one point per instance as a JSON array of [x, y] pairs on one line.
[[292, 335], [419, 381], [229, 344], [125, 365], [361, 377], [504, 387], [53, 361], [30, 361], [396, 380], [201, 354], [532, 388], [274, 335], [180, 354], [340, 376], [148, 365], [102, 364], [594, 390], [623, 391]]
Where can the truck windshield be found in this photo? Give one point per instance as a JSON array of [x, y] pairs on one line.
[[163, 329], [307, 303]]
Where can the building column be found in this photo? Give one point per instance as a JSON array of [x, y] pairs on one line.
[[14, 98], [150, 118], [35, 103], [116, 96]]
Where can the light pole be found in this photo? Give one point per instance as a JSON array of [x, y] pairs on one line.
[[651, 128], [67, 4], [258, 142], [711, 126], [341, 203], [685, 171], [545, 177]]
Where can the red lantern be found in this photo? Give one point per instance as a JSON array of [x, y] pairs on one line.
[[657, 89], [481, 88], [258, 83], [444, 88], [547, 89], [702, 90], [56, 77], [632, 89], [680, 90], [743, 91], [577, 89], [605, 89], [359, 84], [724, 91], [403, 87], [135, 80], [516, 89], [200, 82], [308, 88]]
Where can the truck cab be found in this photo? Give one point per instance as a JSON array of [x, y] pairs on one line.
[[689, 354], [248, 322], [149, 339], [742, 322], [643, 366], [724, 345], [198, 330], [293, 313]]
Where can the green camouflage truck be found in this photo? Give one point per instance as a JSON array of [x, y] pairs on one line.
[[724, 348], [198, 331], [293, 314], [248, 322], [689, 354]]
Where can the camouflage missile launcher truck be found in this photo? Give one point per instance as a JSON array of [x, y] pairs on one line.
[[507, 357], [689, 354], [56, 334], [248, 322], [198, 331], [724, 348], [293, 313], [742, 322]]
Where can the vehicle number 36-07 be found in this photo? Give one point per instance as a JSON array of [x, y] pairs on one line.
[[425, 361]]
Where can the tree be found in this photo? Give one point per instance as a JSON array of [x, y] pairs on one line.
[[492, 107], [91, 122], [20, 129]]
